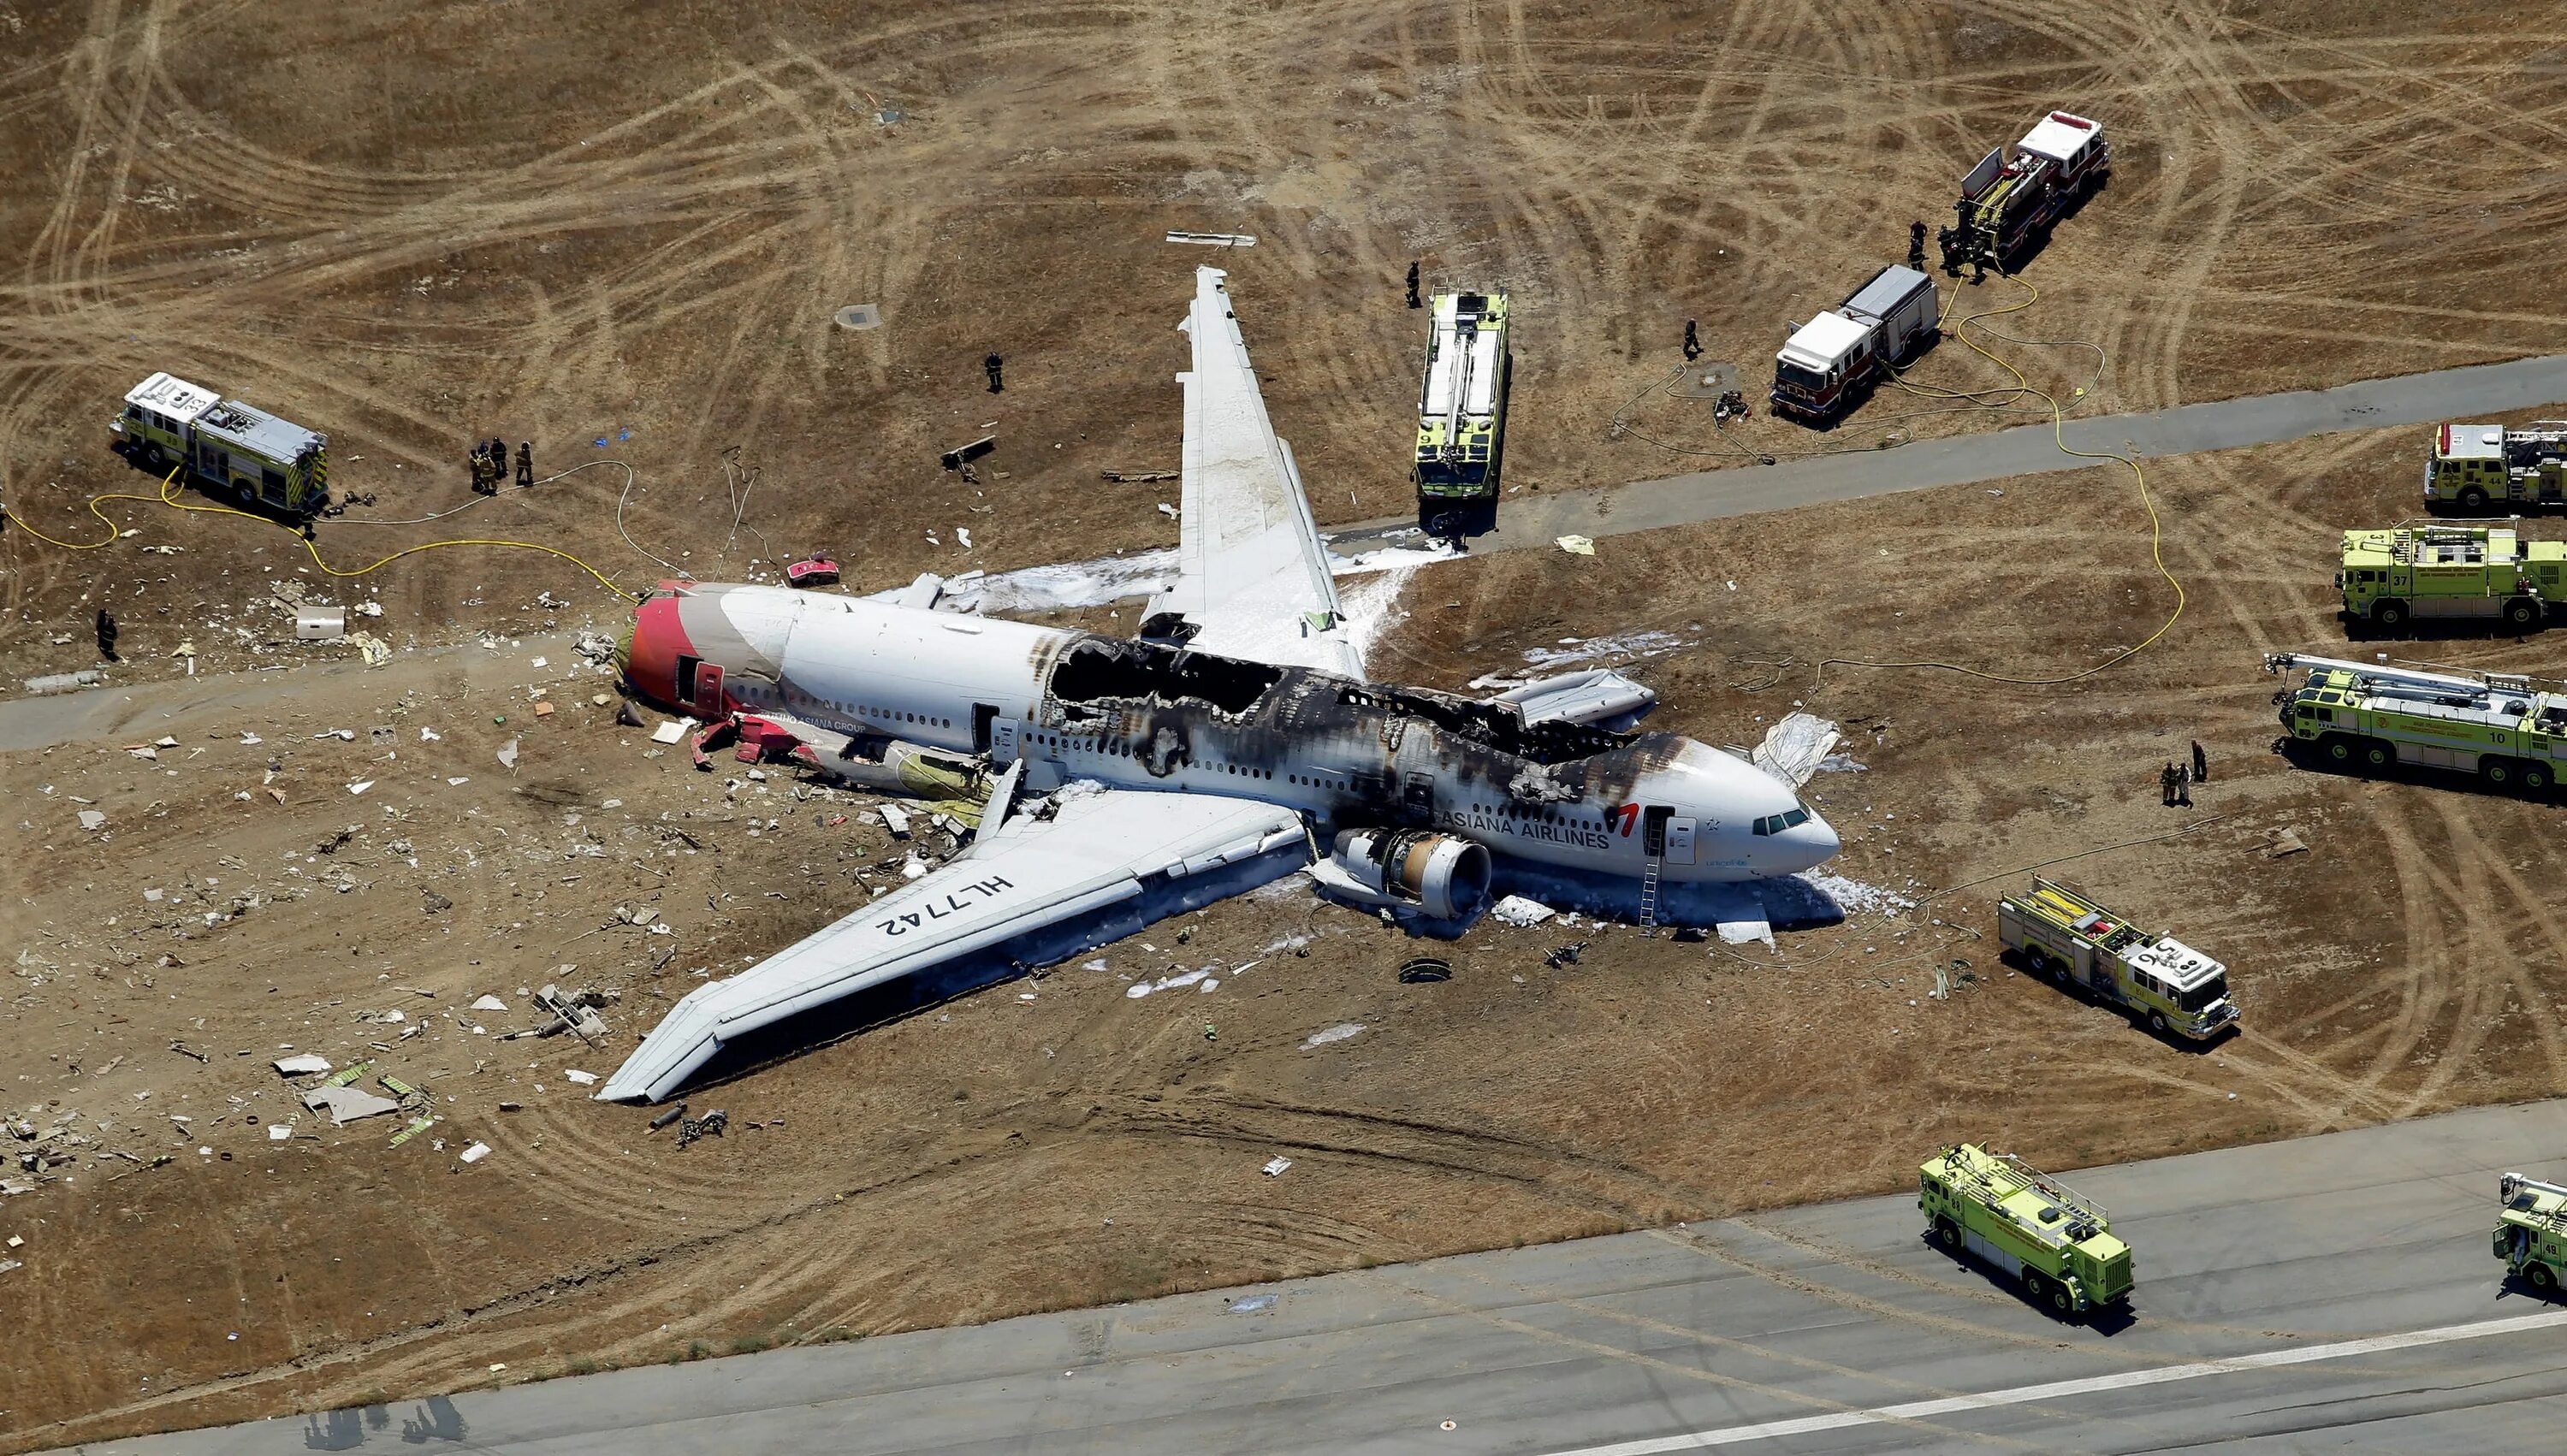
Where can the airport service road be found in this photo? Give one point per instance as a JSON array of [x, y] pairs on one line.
[[149, 708], [2486, 390], [2334, 1292]]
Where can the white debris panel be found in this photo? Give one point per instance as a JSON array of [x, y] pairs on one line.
[[1794, 749], [1596, 695]]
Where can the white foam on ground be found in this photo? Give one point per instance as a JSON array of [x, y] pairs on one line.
[[1333, 1033], [1860, 898], [1071, 584], [1140, 988], [1570, 651], [1390, 558], [1371, 608], [1068, 585]]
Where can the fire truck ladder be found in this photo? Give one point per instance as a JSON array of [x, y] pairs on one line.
[[2089, 1214], [1465, 332]]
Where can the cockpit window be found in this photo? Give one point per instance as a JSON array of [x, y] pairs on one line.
[[1777, 823]]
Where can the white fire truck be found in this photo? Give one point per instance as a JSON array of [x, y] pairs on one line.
[[1827, 361]]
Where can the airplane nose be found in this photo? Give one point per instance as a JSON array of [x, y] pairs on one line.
[[1811, 845]]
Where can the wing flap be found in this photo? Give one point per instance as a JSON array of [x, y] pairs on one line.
[[1097, 850]]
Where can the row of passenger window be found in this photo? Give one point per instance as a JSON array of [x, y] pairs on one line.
[[886, 715], [1119, 747]]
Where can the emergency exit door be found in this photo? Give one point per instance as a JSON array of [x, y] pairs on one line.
[[1680, 839], [709, 691]]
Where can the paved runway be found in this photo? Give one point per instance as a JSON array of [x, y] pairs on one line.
[[2333, 1293], [2504, 392]]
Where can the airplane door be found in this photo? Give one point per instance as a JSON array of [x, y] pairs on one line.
[[1679, 840], [709, 691], [1417, 799], [985, 720], [1001, 741]]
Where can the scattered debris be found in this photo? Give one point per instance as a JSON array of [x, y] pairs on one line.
[[1333, 1033], [347, 1105], [1576, 545], [474, 1154], [508, 754], [373, 649], [665, 1118], [2282, 841], [1138, 478], [671, 730], [1254, 1304], [815, 571], [708, 1125], [1794, 749], [1425, 971], [1215, 239], [1517, 911], [960, 456], [489, 1004], [571, 1013], [583, 1079], [302, 1063], [1565, 954], [91, 819], [320, 624], [184, 1049], [66, 682], [1274, 1169]]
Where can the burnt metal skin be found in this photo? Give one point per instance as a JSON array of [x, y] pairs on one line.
[[1152, 715]]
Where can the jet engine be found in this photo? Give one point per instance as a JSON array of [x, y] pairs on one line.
[[1444, 877]]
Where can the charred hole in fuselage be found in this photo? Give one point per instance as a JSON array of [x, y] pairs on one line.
[[1495, 725], [1095, 669]]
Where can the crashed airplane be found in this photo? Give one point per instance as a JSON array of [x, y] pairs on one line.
[[1238, 739]]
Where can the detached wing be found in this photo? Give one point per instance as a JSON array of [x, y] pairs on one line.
[[1251, 575], [1035, 890]]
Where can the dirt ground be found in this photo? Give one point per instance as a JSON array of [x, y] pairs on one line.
[[573, 222]]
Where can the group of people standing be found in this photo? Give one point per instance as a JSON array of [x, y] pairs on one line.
[[491, 465]]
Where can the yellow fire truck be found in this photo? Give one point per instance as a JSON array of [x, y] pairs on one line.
[[2026, 1224], [2062, 933], [234, 449], [2475, 466]]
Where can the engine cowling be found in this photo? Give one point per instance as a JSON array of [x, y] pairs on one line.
[[1444, 876]]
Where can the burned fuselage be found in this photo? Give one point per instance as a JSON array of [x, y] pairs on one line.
[[1153, 717], [1357, 754]]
